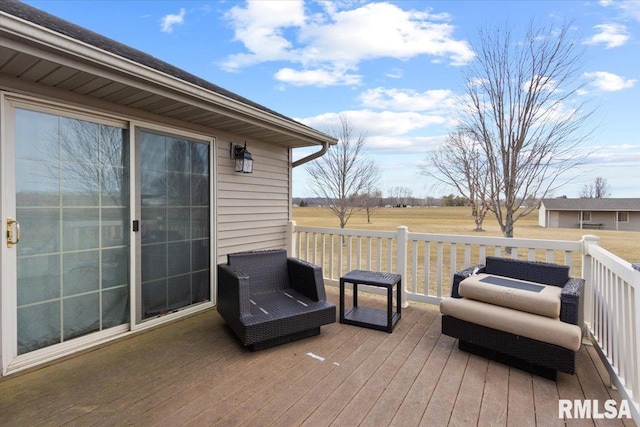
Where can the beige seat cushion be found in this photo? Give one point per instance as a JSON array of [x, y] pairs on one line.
[[541, 328], [513, 293]]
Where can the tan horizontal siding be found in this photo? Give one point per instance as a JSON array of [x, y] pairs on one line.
[[251, 235], [252, 209], [270, 194], [248, 226], [258, 178], [254, 205], [247, 217]]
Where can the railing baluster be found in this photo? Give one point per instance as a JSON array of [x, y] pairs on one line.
[[389, 255], [427, 266], [349, 250], [306, 245], [340, 250], [414, 274], [439, 271], [324, 251], [331, 257], [467, 255], [549, 255], [453, 255]]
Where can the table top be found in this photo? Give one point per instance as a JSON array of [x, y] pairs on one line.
[[371, 277]]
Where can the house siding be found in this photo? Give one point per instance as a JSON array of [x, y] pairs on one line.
[[571, 219], [253, 209]]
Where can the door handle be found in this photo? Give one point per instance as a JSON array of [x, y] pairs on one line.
[[13, 232]]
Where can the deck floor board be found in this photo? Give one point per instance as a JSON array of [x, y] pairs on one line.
[[194, 372]]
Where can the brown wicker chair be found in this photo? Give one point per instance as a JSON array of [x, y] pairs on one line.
[[522, 352], [269, 299]]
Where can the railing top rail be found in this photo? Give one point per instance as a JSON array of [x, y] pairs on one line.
[[346, 231], [565, 245], [615, 264]]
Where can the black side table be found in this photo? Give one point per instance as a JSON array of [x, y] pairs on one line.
[[371, 317]]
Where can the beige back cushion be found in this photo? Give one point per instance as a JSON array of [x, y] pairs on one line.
[[523, 296]]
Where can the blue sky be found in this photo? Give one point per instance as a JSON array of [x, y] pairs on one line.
[[393, 68]]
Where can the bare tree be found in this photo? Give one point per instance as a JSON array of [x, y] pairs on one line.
[[343, 173], [598, 190], [523, 107], [370, 200], [400, 195], [462, 164]]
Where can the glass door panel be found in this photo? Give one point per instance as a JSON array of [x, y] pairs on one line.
[[72, 198], [175, 228]]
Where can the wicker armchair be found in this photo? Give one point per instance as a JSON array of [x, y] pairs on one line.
[[268, 299], [533, 355]]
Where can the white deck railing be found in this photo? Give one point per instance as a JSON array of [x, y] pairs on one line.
[[427, 263], [612, 317]]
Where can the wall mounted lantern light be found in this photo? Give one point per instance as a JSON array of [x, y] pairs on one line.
[[244, 161]]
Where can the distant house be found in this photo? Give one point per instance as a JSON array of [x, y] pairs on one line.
[[602, 214]]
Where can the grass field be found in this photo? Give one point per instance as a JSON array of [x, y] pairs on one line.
[[458, 220]]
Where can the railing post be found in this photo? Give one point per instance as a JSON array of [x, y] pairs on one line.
[[291, 238], [587, 275], [402, 240]]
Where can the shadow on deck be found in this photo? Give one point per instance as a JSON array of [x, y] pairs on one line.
[[194, 372]]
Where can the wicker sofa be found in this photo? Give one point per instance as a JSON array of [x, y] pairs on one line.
[[269, 299], [525, 314]]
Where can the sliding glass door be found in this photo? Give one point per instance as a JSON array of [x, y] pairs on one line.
[[174, 238], [71, 204], [102, 233]]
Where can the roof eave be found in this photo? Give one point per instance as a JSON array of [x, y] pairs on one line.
[[110, 65]]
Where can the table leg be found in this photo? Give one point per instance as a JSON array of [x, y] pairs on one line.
[[341, 300], [390, 308], [399, 297], [355, 294]]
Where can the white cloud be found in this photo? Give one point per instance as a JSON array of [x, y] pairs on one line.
[[337, 40], [395, 73], [169, 21], [317, 77], [261, 26], [630, 8], [407, 99], [378, 123], [608, 81], [612, 35], [406, 144]]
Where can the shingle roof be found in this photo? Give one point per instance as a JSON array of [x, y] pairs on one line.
[[77, 32], [610, 204]]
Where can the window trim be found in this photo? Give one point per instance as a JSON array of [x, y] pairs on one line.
[[626, 215], [585, 216]]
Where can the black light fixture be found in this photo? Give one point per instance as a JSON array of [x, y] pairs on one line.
[[244, 161]]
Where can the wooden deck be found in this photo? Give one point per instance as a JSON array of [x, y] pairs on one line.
[[194, 372]]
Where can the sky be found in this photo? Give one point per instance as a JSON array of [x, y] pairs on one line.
[[393, 69]]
